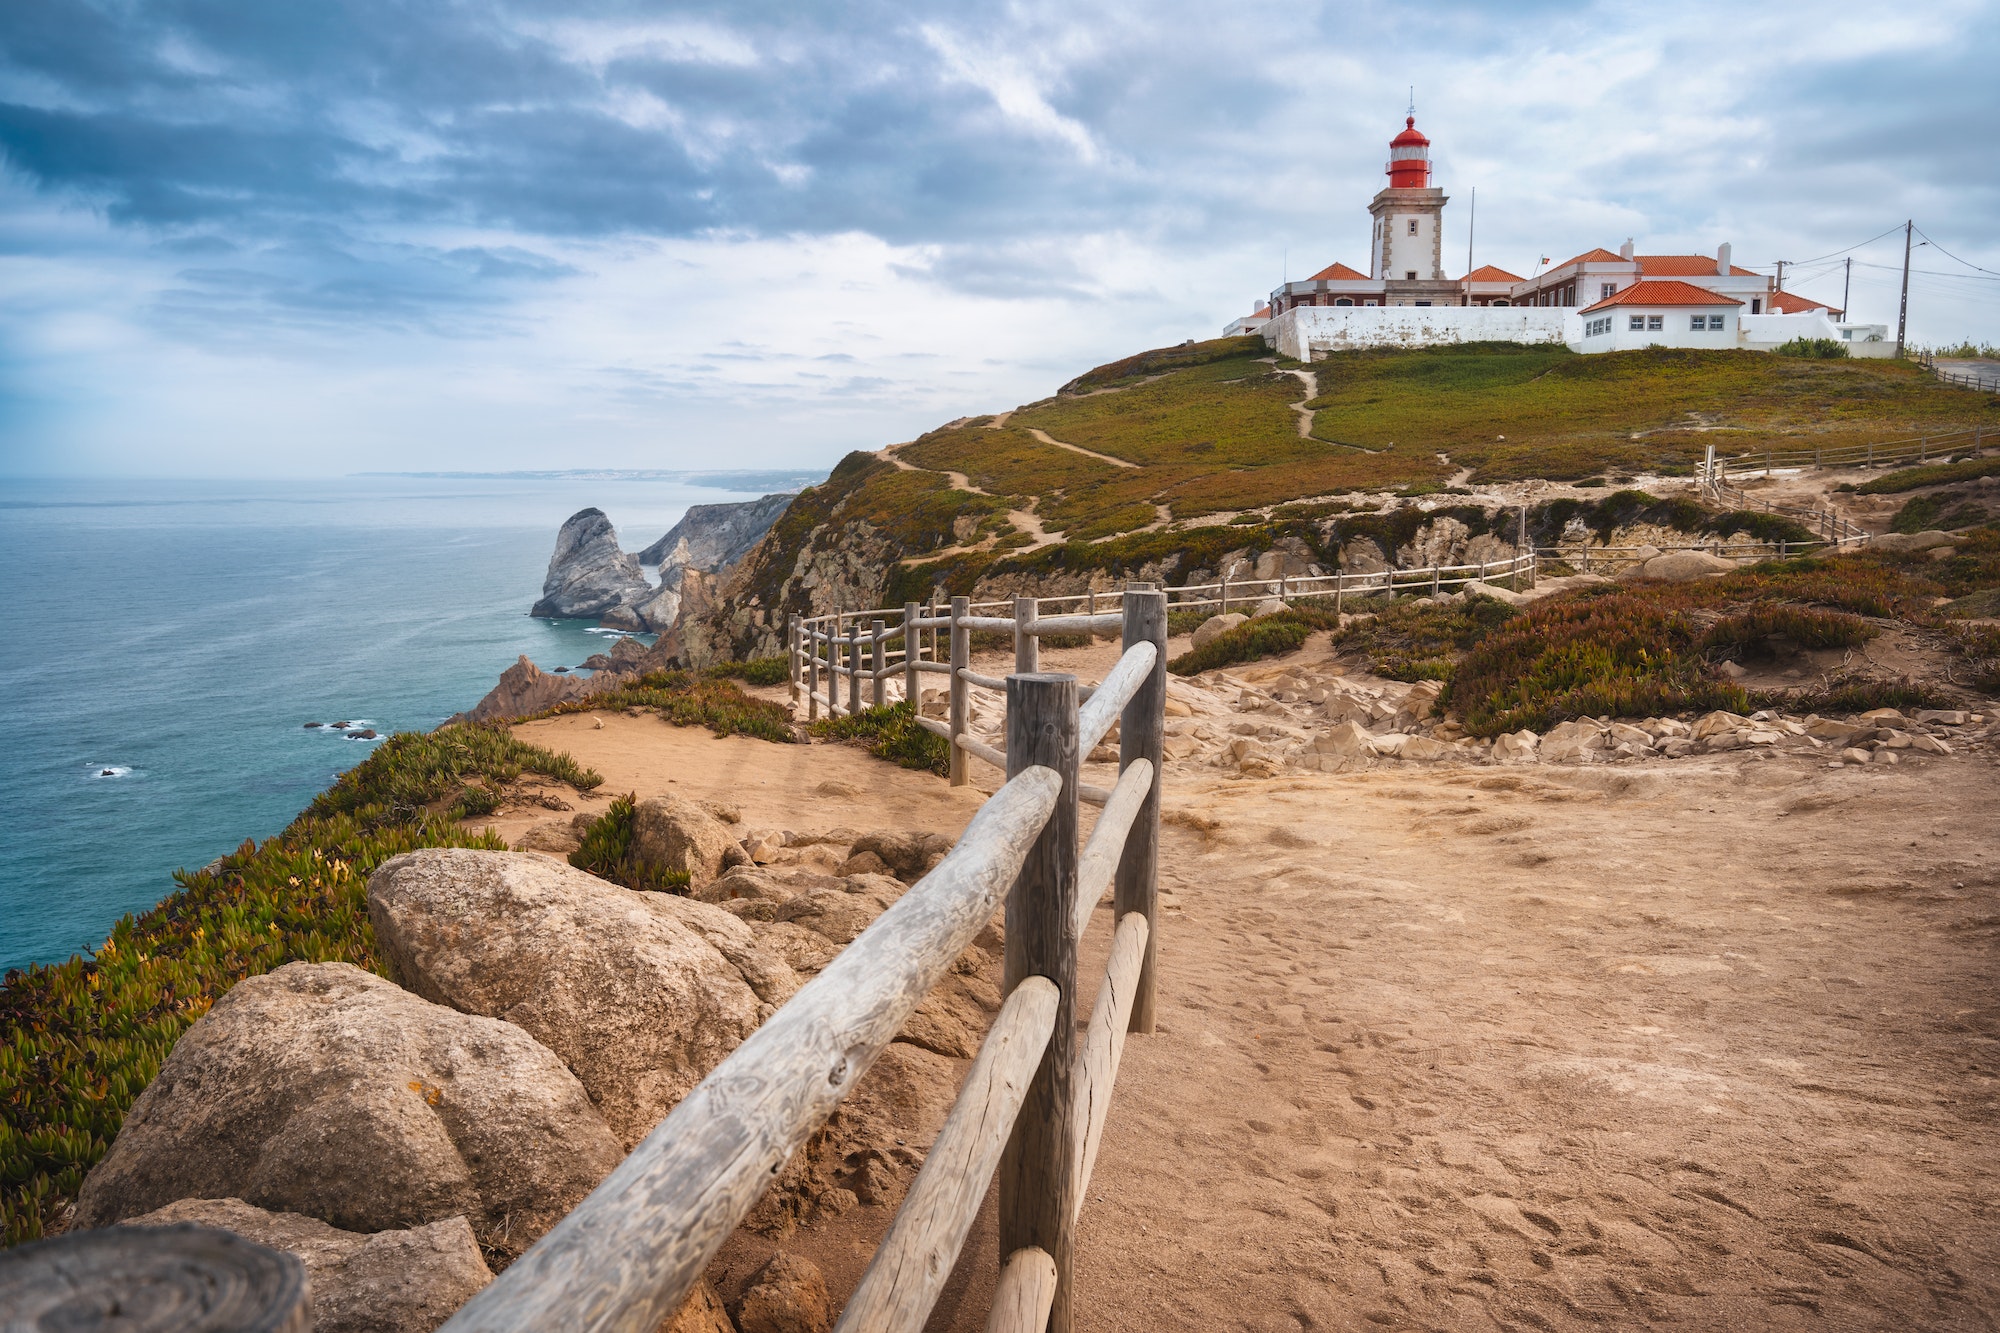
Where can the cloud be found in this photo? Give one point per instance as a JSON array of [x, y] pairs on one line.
[[664, 217]]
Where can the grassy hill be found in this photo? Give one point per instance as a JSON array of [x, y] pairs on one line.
[[1162, 445]]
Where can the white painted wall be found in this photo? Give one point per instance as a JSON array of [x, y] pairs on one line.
[[1676, 329], [1317, 330], [1407, 252], [1764, 333]]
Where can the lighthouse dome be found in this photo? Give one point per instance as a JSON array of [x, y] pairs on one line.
[[1409, 158]]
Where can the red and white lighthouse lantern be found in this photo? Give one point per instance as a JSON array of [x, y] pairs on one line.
[[1409, 159]]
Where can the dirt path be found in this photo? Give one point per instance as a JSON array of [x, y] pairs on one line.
[[1046, 438], [1709, 1044]]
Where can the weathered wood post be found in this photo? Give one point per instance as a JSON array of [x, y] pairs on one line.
[[833, 659], [1037, 1170], [1027, 647], [913, 651], [1923, 449], [854, 667], [792, 658], [961, 702], [812, 673], [877, 660], [181, 1277], [1141, 735], [1225, 596], [1339, 588]]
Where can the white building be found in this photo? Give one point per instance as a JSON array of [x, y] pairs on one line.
[[1663, 312]]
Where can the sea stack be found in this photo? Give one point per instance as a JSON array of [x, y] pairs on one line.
[[588, 574]]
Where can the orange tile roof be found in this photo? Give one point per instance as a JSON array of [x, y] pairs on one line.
[[1261, 312], [1685, 266], [1597, 256], [1337, 273], [1657, 292], [1791, 303], [1488, 273]]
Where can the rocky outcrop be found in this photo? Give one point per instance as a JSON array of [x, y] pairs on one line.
[[788, 1296], [714, 537], [402, 1281], [328, 1091], [525, 689], [640, 994], [588, 574], [672, 834]]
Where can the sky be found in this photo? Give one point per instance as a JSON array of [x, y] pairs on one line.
[[240, 238]]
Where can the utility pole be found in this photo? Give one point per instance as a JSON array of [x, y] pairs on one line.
[[1846, 285], [1471, 218], [1781, 275], [1903, 311]]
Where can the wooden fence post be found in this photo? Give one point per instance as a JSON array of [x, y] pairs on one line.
[[1225, 596], [792, 663], [1339, 587], [1027, 648], [961, 660], [1142, 735], [913, 651], [854, 667], [812, 673], [878, 653], [1037, 1170]]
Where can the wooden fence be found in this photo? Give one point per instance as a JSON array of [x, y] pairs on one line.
[[1964, 379], [1033, 1105], [1832, 528], [832, 657], [1917, 449]]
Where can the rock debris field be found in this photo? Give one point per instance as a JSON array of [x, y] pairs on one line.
[[1663, 1024]]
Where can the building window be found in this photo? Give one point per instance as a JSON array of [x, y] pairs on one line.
[[1413, 226], [1638, 324], [1374, 303], [1756, 306], [1503, 301], [1343, 300], [1606, 290], [1598, 327], [1655, 323], [1420, 303], [1701, 322], [1409, 275]]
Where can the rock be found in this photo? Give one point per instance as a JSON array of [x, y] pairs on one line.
[[1853, 756], [594, 662], [1438, 542], [641, 994], [325, 1090], [1676, 747], [772, 884], [1949, 717], [838, 915], [1270, 606], [1363, 555], [1290, 558], [1715, 723], [1883, 717], [525, 688], [1896, 740], [1885, 756], [1624, 733], [788, 1296], [1830, 729], [588, 575], [1897, 543], [863, 863], [804, 949], [1215, 626], [401, 1281], [762, 845], [711, 538], [1518, 748], [1572, 743], [557, 837], [1925, 743], [1681, 566], [311, 725], [1420, 749], [671, 833], [701, 1312], [909, 856], [1730, 670]]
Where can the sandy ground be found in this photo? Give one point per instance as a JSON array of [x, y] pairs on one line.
[[1709, 1044]]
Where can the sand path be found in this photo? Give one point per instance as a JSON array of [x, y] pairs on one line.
[[1046, 438], [1710, 1043]]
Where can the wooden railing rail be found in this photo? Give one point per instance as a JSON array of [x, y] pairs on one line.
[[627, 1255]]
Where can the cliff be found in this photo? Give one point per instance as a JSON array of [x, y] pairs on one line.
[[588, 574]]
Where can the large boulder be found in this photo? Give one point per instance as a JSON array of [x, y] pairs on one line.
[[672, 833], [908, 856], [588, 575], [788, 1296], [325, 1090], [403, 1281], [1905, 543], [641, 994], [1441, 541], [1215, 626], [1682, 566], [525, 689]]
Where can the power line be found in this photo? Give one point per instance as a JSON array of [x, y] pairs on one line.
[[1949, 255]]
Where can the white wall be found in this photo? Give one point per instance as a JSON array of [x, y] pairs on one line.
[[1764, 333], [1676, 330], [1310, 330]]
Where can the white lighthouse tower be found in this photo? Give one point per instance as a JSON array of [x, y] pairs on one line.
[[1407, 251]]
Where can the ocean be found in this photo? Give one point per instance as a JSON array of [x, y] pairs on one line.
[[168, 640]]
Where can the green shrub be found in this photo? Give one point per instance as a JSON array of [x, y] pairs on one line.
[[80, 1040], [1919, 515], [1749, 633], [890, 732], [1411, 639], [607, 853], [1614, 654], [1854, 695], [688, 699], [757, 671], [1266, 636], [1815, 349], [1935, 474]]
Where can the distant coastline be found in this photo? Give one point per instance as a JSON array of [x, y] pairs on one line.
[[770, 480]]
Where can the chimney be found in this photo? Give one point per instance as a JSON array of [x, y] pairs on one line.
[[1722, 259], [1625, 250]]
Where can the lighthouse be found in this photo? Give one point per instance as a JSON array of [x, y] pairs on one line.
[[1407, 252]]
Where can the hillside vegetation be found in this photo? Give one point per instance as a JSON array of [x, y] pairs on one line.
[[1183, 434]]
